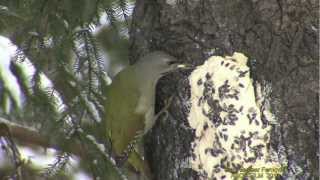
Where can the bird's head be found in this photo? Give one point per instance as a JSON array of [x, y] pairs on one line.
[[159, 63]]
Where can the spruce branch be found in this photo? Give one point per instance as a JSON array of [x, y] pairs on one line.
[[27, 135], [123, 4]]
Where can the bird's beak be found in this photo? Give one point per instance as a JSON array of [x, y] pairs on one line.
[[184, 66], [178, 66]]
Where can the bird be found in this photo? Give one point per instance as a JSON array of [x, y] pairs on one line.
[[130, 101]]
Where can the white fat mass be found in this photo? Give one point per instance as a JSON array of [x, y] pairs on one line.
[[232, 125]]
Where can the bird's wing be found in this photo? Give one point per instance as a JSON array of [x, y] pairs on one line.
[[122, 121]]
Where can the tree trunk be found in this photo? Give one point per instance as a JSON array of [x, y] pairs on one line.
[[280, 37]]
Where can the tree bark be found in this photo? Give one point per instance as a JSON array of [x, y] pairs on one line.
[[280, 37]]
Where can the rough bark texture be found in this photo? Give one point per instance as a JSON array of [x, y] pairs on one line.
[[281, 39]]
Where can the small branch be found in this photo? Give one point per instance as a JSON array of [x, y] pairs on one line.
[[29, 135]]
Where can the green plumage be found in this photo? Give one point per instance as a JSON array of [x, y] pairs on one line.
[[123, 122], [130, 103]]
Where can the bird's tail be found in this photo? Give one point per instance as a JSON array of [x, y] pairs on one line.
[[140, 165]]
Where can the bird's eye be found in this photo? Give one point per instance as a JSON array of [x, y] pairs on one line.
[[172, 62]]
